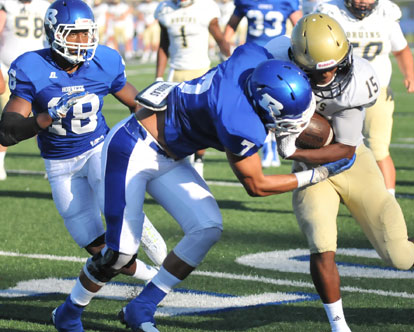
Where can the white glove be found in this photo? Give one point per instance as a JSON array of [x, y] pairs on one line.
[[286, 144], [64, 104]]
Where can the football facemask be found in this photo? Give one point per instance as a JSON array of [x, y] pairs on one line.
[[64, 17]]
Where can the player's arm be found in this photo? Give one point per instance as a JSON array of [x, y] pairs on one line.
[[16, 125], [218, 36], [406, 64], [295, 17], [231, 27], [162, 54], [127, 97], [326, 154], [249, 172]]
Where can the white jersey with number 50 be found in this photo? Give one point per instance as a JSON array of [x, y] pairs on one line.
[[374, 37], [23, 30], [188, 32]]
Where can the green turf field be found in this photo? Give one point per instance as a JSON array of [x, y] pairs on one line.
[[228, 292]]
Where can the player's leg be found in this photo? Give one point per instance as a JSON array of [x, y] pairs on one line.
[[197, 212], [153, 243], [378, 212], [377, 130], [275, 158], [124, 197], [267, 152], [316, 209]]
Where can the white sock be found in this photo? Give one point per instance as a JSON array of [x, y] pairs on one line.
[[165, 281], [80, 295], [2, 155], [336, 316], [144, 272], [391, 191]]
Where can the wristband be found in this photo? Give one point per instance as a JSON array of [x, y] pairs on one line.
[[304, 178], [159, 79]]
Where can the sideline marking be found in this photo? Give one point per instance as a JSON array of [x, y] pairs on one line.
[[224, 275]]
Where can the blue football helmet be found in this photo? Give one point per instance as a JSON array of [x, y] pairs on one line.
[[65, 16], [282, 96]]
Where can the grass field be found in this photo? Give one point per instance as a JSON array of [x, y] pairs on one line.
[[229, 291]]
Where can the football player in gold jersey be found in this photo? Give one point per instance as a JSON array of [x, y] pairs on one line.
[[344, 86]]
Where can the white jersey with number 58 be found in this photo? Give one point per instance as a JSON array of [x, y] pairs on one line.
[[373, 37], [188, 32], [23, 30]]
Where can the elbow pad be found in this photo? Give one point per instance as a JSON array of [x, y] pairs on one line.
[[14, 128]]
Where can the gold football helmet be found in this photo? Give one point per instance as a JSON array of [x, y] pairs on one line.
[[319, 43]]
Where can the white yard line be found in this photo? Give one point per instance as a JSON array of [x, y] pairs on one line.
[[232, 276]]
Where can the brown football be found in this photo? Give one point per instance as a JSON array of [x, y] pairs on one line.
[[316, 135]]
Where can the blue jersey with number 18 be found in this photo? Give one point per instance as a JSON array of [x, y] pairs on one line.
[[266, 18], [35, 77], [213, 110]]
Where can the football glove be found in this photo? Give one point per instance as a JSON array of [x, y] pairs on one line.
[[324, 171], [64, 104]]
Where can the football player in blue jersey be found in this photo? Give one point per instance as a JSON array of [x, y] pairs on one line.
[[266, 20], [64, 87], [231, 108]]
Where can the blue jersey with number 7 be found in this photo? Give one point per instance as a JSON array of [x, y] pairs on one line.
[[214, 111]]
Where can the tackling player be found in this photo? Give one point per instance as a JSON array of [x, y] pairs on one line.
[[344, 85], [266, 20], [373, 28], [231, 108], [64, 87]]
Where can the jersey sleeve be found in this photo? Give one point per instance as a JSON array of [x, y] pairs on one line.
[[347, 126], [397, 38], [120, 76], [213, 10], [20, 84]]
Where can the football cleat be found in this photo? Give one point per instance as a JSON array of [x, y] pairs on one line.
[[67, 317], [144, 327]]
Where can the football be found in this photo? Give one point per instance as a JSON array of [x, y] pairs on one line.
[[316, 135]]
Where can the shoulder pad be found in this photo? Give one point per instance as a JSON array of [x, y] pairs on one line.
[[389, 10], [155, 96]]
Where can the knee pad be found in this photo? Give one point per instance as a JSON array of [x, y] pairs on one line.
[[195, 245], [106, 264]]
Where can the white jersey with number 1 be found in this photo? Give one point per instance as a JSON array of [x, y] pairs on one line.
[[188, 32]]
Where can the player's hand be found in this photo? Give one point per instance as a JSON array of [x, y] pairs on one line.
[[286, 144], [330, 169], [64, 104], [339, 166]]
